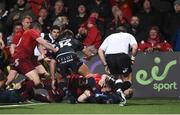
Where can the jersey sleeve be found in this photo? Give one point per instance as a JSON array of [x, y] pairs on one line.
[[78, 46], [104, 45], [132, 39]]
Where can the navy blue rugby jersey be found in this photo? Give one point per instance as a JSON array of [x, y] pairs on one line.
[[68, 45]]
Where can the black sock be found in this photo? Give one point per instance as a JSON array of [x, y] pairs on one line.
[[27, 90], [126, 85], [29, 85]]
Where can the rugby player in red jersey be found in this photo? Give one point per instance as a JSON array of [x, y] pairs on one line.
[[22, 58], [26, 22]]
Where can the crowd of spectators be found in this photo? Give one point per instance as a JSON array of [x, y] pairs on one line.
[[93, 20]]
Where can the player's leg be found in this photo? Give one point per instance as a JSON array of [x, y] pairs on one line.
[[33, 75], [11, 76], [127, 81], [41, 70], [26, 67], [28, 87]]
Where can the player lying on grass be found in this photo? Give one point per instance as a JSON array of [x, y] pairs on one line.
[[105, 83]]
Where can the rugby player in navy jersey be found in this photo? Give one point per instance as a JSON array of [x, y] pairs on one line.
[[67, 61], [105, 83]]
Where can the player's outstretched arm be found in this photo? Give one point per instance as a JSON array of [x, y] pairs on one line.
[[43, 42]]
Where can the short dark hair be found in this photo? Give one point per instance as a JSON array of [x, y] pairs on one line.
[[17, 24], [55, 27], [67, 34], [121, 29], [36, 25]]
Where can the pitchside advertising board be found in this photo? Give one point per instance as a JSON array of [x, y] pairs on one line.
[[155, 74]]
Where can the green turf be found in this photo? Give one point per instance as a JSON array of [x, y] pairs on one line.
[[143, 106]]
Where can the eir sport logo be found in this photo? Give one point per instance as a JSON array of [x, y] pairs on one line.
[[155, 77]]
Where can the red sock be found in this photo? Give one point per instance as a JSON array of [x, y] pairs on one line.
[[28, 91]]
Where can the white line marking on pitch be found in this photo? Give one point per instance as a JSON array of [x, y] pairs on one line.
[[21, 105]]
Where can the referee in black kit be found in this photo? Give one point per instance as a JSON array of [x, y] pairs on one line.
[[117, 54]]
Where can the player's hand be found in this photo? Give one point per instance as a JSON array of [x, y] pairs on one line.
[[53, 84], [102, 82], [41, 57], [107, 69], [16, 17], [47, 59]]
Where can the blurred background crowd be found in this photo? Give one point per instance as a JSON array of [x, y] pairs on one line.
[[154, 23]]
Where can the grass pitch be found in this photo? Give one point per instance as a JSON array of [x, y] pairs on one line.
[[135, 106]]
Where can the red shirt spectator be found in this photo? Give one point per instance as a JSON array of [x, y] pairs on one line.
[[165, 46], [154, 42], [36, 5], [93, 34]]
